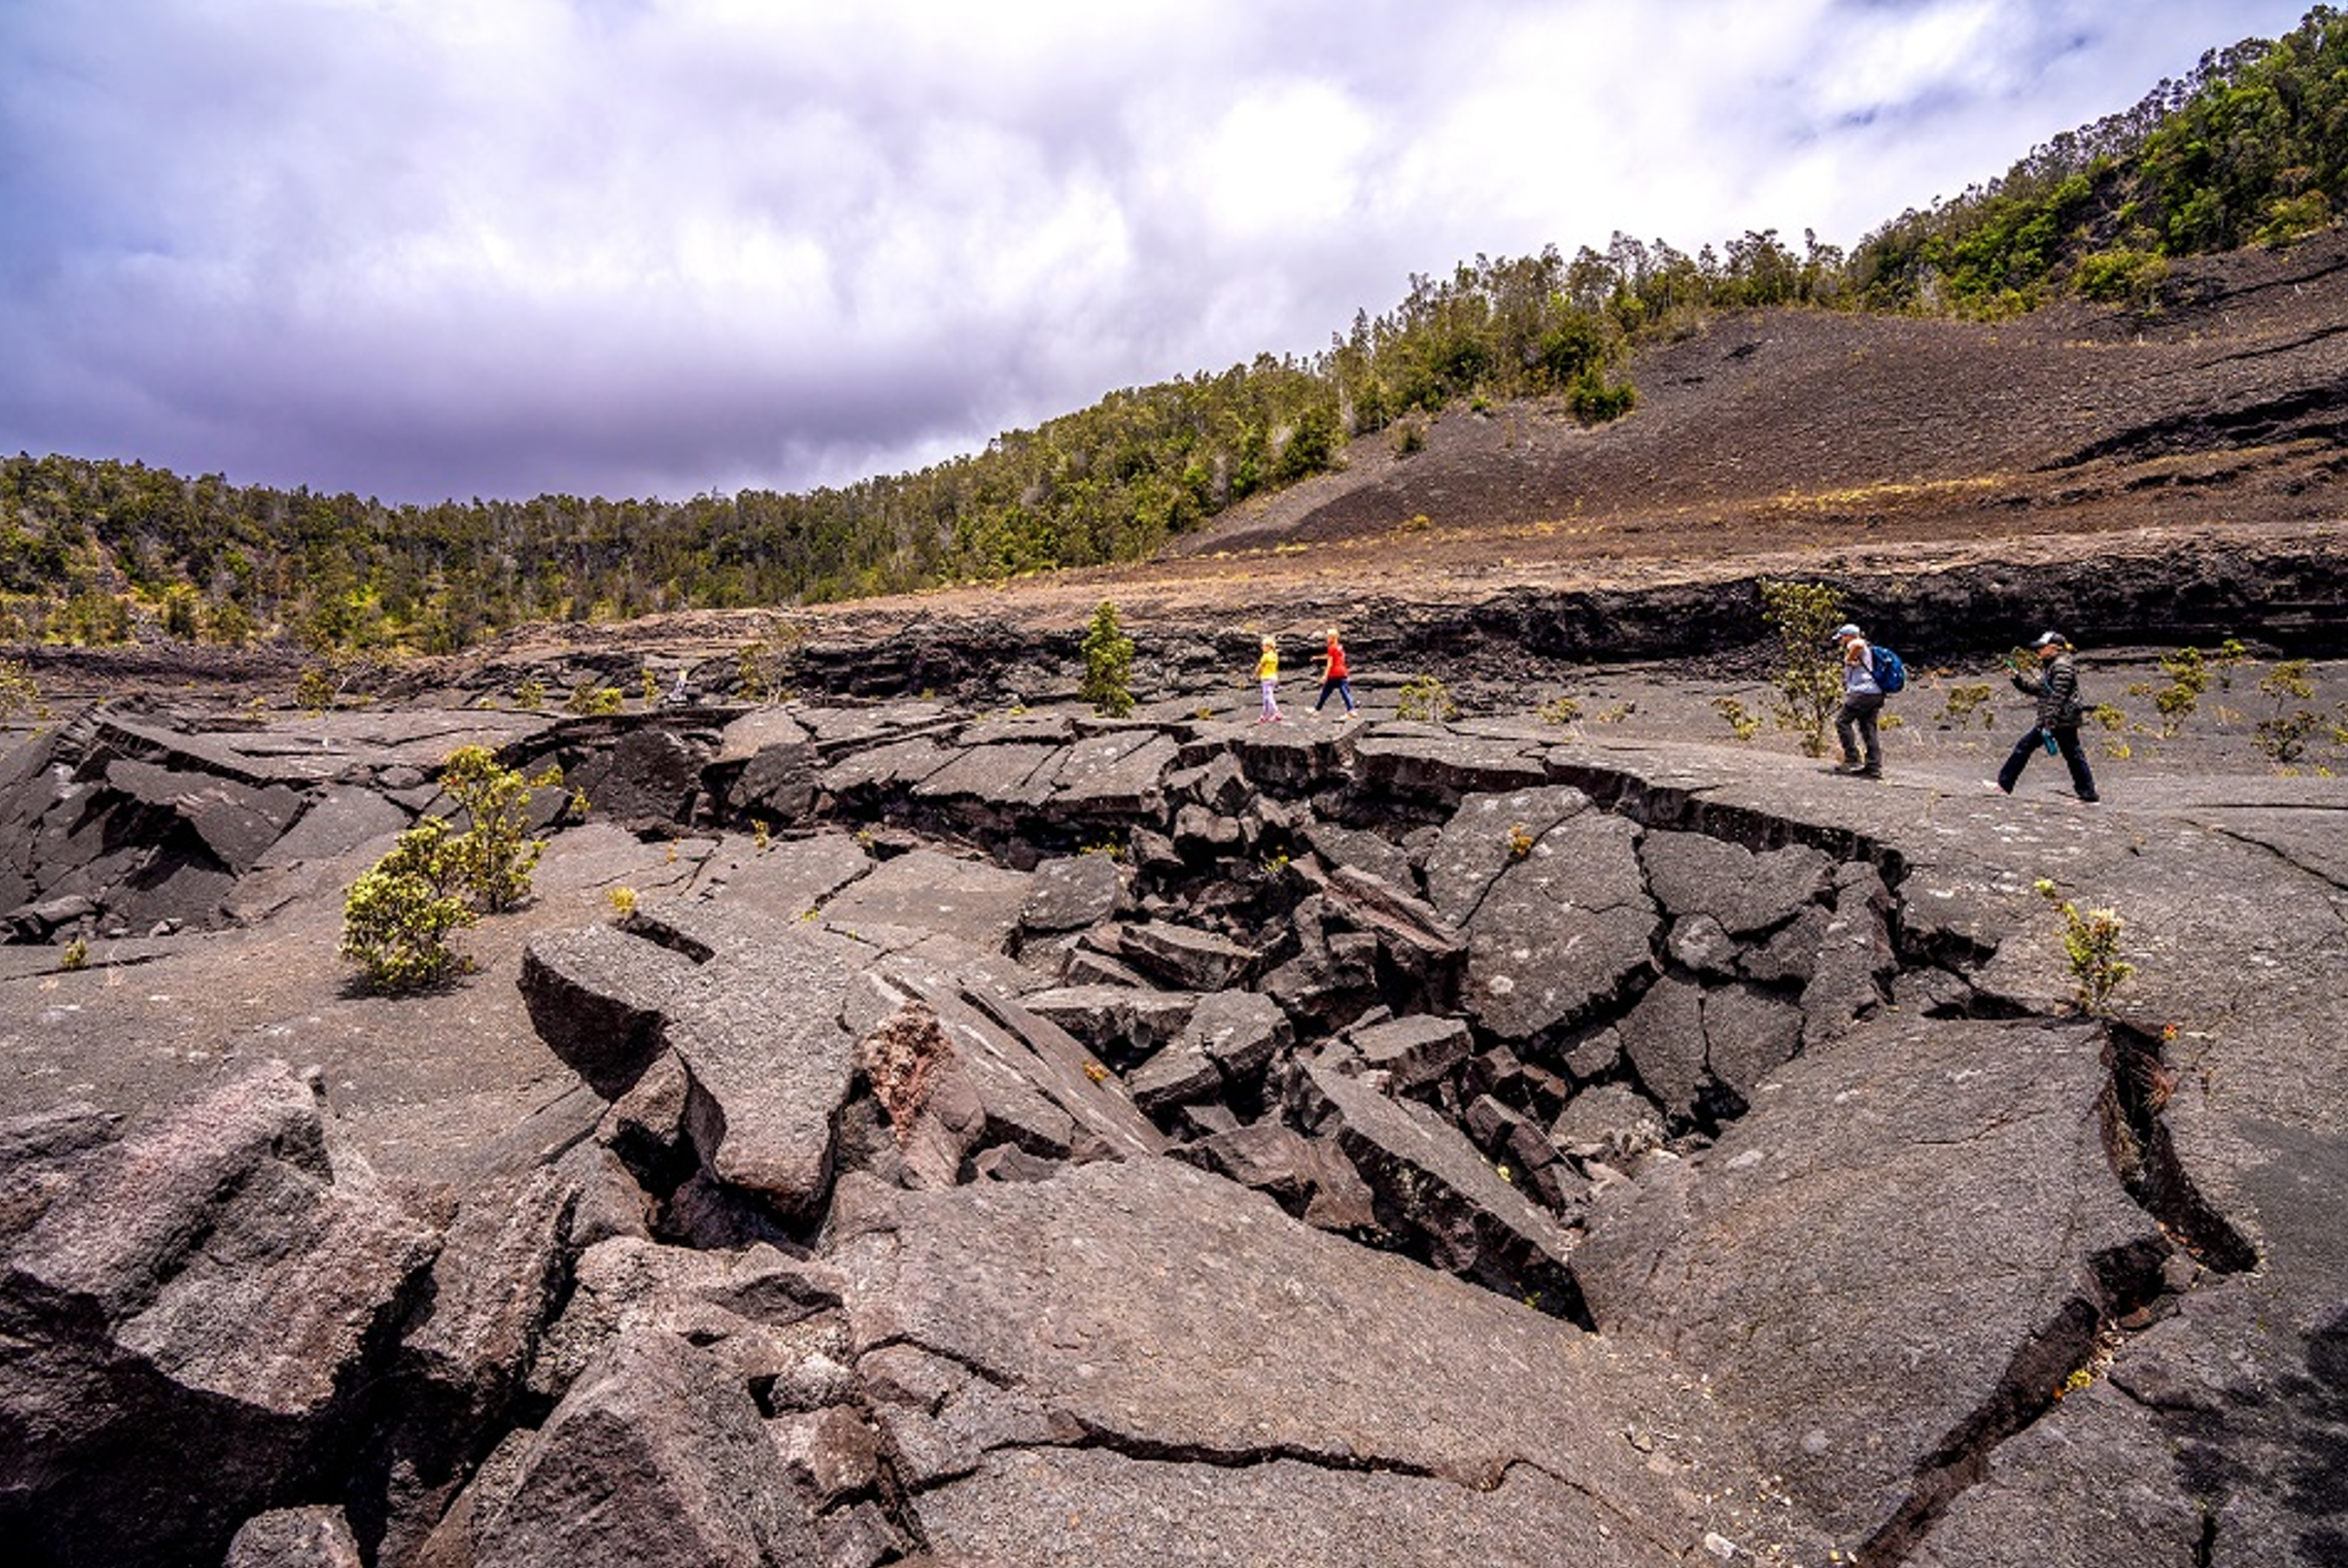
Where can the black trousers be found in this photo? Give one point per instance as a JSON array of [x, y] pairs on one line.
[[2066, 739]]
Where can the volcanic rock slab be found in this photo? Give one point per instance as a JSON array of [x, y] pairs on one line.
[[1149, 1356]]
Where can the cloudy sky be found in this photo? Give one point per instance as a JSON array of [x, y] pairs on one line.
[[426, 249]]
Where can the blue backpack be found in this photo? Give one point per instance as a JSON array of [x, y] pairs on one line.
[[1890, 674]]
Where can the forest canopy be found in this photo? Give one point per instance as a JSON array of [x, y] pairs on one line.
[[2251, 148]]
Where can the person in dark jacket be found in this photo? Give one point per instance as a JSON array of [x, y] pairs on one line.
[[2055, 684]]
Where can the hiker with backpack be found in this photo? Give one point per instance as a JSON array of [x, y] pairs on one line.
[[2055, 684], [1869, 673]]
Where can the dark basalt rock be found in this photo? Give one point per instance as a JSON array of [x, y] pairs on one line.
[[1310, 1178], [1435, 1189], [1563, 932], [1413, 1052], [649, 778], [1185, 957], [314, 1537], [667, 1442], [1942, 1338], [1072, 892], [1444, 767], [1676, 1045], [503, 1265], [598, 997], [1115, 776], [779, 783], [219, 1283], [1445, 1397]]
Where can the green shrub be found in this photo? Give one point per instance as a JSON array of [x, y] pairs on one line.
[[1108, 664], [1425, 698], [18, 690], [180, 604], [2122, 276], [1808, 677], [398, 916], [1741, 725], [495, 856], [314, 690], [763, 666], [532, 693], [2283, 734], [2091, 941], [593, 701], [1595, 402], [2293, 217], [229, 624], [1963, 701]]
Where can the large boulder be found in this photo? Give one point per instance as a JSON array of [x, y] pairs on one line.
[[656, 1456], [220, 1284], [748, 1006], [925, 891], [1072, 892], [1565, 931], [650, 777], [464, 1355], [1037, 1088], [1440, 1196]]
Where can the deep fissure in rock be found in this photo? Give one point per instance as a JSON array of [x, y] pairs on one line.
[[2144, 1152]]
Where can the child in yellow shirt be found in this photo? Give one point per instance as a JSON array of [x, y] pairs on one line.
[[1267, 675]]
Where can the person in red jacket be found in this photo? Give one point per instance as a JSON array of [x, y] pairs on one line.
[[1333, 675]]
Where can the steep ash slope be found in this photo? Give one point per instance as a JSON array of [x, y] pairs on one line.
[[2228, 404]]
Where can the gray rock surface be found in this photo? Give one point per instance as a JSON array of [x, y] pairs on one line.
[[926, 891], [1413, 1052], [656, 1455], [1883, 1235], [1434, 1188], [1118, 773], [313, 1537], [218, 1282], [1933, 1341], [1186, 957], [1072, 892], [1100, 1328], [1562, 932]]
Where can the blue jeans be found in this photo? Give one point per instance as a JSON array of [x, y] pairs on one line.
[[1343, 687]]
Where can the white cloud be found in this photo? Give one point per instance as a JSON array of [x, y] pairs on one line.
[[636, 245]]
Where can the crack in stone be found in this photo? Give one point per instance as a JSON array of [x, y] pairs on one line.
[[2295, 862], [2029, 1387], [2142, 1156], [1127, 1445], [2144, 1153]]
